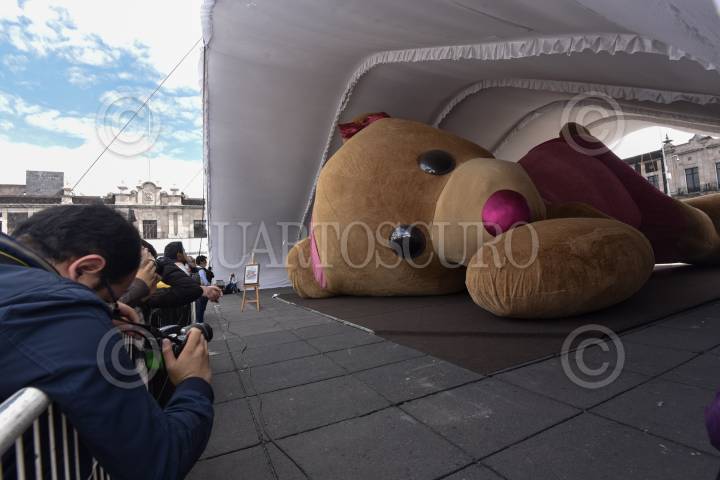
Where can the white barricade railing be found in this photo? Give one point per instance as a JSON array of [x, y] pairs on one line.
[[23, 415], [40, 450]]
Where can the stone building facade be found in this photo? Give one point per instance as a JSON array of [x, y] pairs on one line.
[[690, 169], [694, 167], [650, 166], [159, 216]]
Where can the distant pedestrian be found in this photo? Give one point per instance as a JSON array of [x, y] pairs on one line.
[[205, 281]]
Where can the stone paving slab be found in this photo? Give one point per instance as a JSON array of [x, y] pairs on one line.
[[385, 445], [272, 354], [233, 429], [251, 464], [323, 330], [488, 415], [222, 363], [262, 340], [679, 339], [652, 360], [474, 472], [415, 378], [227, 386], [289, 374], [350, 338], [302, 321], [702, 371], [218, 346], [297, 409], [550, 379], [592, 448], [374, 355], [647, 360], [666, 409], [278, 314], [257, 326], [705, 318]]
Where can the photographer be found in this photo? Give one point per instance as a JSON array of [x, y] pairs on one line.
[[169, 305], [51, 329], [184, 289]]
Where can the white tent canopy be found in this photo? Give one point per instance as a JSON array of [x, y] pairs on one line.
[[280, 75]]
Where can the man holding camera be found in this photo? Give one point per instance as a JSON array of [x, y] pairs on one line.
[[175, 258], [53, 326]]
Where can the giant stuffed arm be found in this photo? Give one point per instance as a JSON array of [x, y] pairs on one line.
[[560, 267]]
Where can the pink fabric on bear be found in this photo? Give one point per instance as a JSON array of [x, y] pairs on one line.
[[504, 210], [317, 268]]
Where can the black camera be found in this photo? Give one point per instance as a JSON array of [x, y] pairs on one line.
[[178, 335]]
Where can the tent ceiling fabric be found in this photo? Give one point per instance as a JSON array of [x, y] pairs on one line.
[[281, 74]]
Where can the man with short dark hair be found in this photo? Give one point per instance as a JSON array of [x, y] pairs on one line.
[[52, 327]]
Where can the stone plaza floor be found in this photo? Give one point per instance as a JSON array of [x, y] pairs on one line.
[[300, 395]]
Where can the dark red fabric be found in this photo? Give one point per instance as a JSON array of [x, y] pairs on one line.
[[348, 130], [563, 175], [593, 174], [663, 218]]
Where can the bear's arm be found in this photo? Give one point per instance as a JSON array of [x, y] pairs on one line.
[[573, 210]]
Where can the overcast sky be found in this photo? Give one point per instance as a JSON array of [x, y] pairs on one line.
[[72, 75]]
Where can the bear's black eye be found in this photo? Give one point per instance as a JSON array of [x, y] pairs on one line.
[[408, 241], [436, 162]]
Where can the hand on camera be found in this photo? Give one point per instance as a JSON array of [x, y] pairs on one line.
[[193, 361], [213, 293], [130, 315], [148, 271]]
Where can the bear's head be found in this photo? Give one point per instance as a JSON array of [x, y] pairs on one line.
[[401, 207]]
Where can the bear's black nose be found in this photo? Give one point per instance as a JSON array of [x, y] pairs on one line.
[[408, 241]]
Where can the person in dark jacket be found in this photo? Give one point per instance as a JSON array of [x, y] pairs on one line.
[[205, 280], [53, 326], [176, 273]]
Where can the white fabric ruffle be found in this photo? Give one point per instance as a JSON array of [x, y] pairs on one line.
[[608, 43]]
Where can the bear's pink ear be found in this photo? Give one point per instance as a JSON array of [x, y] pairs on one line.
[[348, 130]]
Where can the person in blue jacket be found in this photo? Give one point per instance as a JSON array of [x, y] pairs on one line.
[[57, 334]]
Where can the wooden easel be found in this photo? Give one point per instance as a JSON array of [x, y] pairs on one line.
[[247, 300], [253, 286]]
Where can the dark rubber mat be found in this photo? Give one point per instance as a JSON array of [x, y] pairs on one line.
[[453, 328]]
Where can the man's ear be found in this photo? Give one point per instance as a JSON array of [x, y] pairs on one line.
[[88, 265]]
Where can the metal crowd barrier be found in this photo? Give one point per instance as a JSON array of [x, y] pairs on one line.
[[30, 423], [45, 444]]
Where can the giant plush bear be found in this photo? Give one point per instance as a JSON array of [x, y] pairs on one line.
[[406, 209]]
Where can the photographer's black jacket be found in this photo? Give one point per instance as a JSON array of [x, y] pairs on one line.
[[183, 289]]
